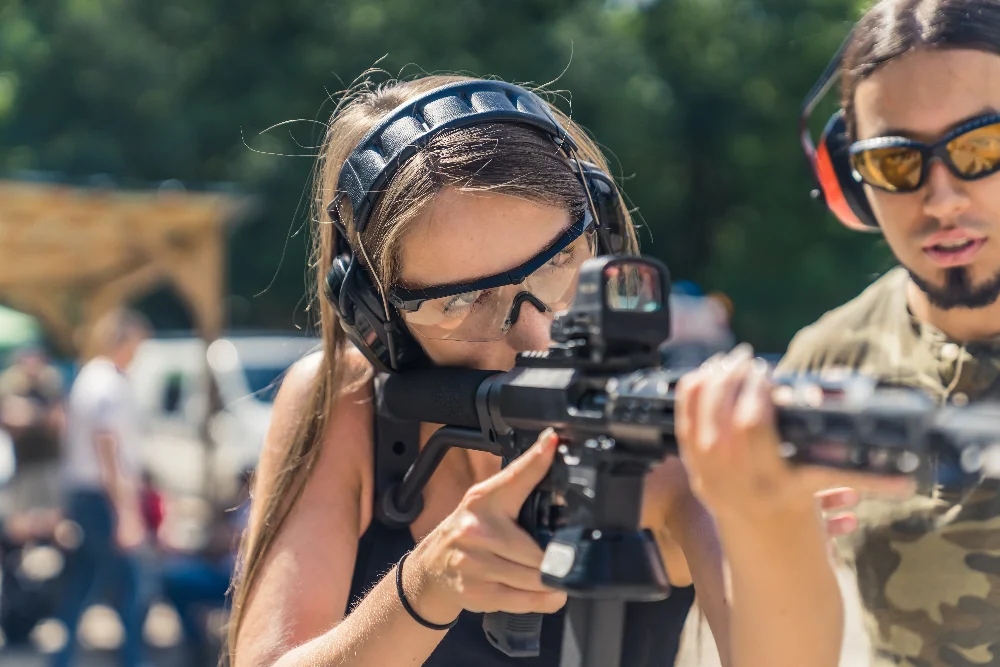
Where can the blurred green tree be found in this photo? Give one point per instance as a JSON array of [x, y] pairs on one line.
[[696, 102]]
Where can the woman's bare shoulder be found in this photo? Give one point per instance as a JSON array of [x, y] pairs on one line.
[[295, 394], [348, 427]]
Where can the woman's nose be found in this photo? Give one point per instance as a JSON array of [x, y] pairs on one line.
[[533, 329]]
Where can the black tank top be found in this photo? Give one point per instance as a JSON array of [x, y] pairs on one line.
[[652, 629]]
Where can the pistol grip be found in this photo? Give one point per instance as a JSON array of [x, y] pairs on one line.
[[516, 635]]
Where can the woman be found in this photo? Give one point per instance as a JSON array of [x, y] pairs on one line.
[[318, 582]]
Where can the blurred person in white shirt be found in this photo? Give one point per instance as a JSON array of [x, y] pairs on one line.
[[100, 475]]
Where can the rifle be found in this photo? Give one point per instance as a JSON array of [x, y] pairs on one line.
[[600, 385]]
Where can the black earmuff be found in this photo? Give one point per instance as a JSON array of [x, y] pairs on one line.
[[375, 327], [612, 228], [380, 335]]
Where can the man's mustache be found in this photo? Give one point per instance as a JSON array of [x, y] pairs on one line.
[[930, 226]]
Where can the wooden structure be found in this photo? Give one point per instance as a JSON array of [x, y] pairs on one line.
[[69, 254]]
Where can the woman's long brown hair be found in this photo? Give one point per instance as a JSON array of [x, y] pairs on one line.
[[512, 159]]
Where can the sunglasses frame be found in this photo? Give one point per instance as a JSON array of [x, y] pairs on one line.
[[928, 152], [411, 300]]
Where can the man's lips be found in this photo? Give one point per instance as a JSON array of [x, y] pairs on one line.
[[953, 247]]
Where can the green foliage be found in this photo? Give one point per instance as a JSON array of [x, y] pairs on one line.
[[696, 101]]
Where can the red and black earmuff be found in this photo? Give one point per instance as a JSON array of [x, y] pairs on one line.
[[830, 163]]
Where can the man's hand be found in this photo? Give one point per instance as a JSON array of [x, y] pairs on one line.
[[130, 530], [833, 502], [728, 440]]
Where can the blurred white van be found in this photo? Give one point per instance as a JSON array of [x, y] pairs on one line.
[[168, 374]]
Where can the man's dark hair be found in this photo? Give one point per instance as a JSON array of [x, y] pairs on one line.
[[894, 27]]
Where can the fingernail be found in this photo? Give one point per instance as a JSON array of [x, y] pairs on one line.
[[738, 354], [710, 363], [548, 438]]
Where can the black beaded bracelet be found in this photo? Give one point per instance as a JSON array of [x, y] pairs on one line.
[[406, 604]]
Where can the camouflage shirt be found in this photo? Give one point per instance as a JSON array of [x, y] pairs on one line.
[[928, 570]]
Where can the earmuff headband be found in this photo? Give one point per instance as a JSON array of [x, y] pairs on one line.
[[414, 123]]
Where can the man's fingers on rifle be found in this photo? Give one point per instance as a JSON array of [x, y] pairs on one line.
[[713, 360], [511, 486], [721, 400], [817, 478], [753, 416], [686, 409], [709, 431], [842, 498], [841, 524]]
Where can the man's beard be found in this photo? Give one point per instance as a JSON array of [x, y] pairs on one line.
[[958, 290]]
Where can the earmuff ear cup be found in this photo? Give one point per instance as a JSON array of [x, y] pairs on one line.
[[333, 285], [844, 195], [382, 337], [612, 229]]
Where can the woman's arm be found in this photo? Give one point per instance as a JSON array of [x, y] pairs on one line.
[[296, 612], [477, 559]]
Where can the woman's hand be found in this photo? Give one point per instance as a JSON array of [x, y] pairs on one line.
[[730, 447], [479, 558]]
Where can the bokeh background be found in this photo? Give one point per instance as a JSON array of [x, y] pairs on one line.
[[696, 103]]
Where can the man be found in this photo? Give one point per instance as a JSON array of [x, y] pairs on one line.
[[928, 73], [100, 475], [921, 96]]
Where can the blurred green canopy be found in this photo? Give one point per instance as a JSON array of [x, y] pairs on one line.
[[17, 329]]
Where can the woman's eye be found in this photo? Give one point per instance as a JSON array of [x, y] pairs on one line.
[[461, 301], [563, 257]]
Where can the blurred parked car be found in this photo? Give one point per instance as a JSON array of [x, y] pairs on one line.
[[168, 374]]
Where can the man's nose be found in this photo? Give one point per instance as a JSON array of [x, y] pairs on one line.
[[945, 198]]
